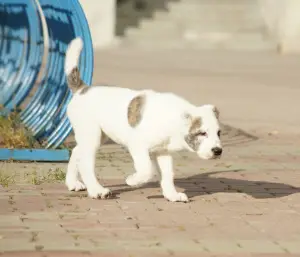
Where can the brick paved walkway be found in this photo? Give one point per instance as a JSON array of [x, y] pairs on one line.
[[247, 203]]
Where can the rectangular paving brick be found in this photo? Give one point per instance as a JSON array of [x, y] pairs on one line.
[[261, 246], [221, 246], [292, 247]]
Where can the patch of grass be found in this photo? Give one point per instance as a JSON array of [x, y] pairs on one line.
[[33, 178], [77, 194], [11, 200], [6, 179], [49, 204], [14, 134], [56, 175], [34, 237], [39, 247], [75, 236], [181, 228]]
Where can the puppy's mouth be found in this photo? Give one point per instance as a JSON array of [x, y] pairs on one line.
[[211, 157], [216, 157], [206, 157]]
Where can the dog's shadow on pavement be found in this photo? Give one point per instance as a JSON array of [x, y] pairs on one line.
[[206, 183]]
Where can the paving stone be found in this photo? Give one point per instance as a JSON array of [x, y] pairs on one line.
[[261, 246], [291, 247], [221, 246]]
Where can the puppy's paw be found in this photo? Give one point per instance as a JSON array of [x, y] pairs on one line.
[[76, 186], [134, 180], [99, 192], [178, 197]]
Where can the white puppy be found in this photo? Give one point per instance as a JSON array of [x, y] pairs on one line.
[[146, 122]]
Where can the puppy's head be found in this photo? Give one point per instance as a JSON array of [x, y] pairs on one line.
[[203, 132]]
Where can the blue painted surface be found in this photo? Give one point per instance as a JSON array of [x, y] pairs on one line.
[[21, 53], [41, 155], [46, 114], [81, 29], [21, 50]]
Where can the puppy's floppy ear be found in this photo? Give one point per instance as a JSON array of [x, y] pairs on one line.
[[192, 125], [211, 107], [216, 111]]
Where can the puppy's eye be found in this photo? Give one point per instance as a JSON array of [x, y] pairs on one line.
[[219, 133], [202, 134]]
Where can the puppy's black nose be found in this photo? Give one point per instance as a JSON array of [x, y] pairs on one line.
[[217, 151]]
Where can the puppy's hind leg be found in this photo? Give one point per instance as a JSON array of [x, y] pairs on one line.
[[72, 181], [88, 142]]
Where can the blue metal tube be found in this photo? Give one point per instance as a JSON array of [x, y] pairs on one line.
[[22, 49], [81, 29]]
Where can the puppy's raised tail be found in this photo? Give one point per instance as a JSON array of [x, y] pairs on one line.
[[71, 64]]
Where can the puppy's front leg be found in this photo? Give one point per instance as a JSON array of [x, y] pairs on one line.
[[143, 166], [165, 163]]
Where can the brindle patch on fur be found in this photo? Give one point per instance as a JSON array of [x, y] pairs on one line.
[[191, 139], [74, 81], [135, 110], [195, 126], [84, 90]]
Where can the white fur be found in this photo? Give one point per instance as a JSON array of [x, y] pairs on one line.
[[73, 54], [162, 130]]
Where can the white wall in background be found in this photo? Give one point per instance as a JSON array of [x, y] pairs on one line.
[[283, 20], [101, 16]]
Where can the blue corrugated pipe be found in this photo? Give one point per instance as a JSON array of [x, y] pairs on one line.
[[22, 41], [21, 50]]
